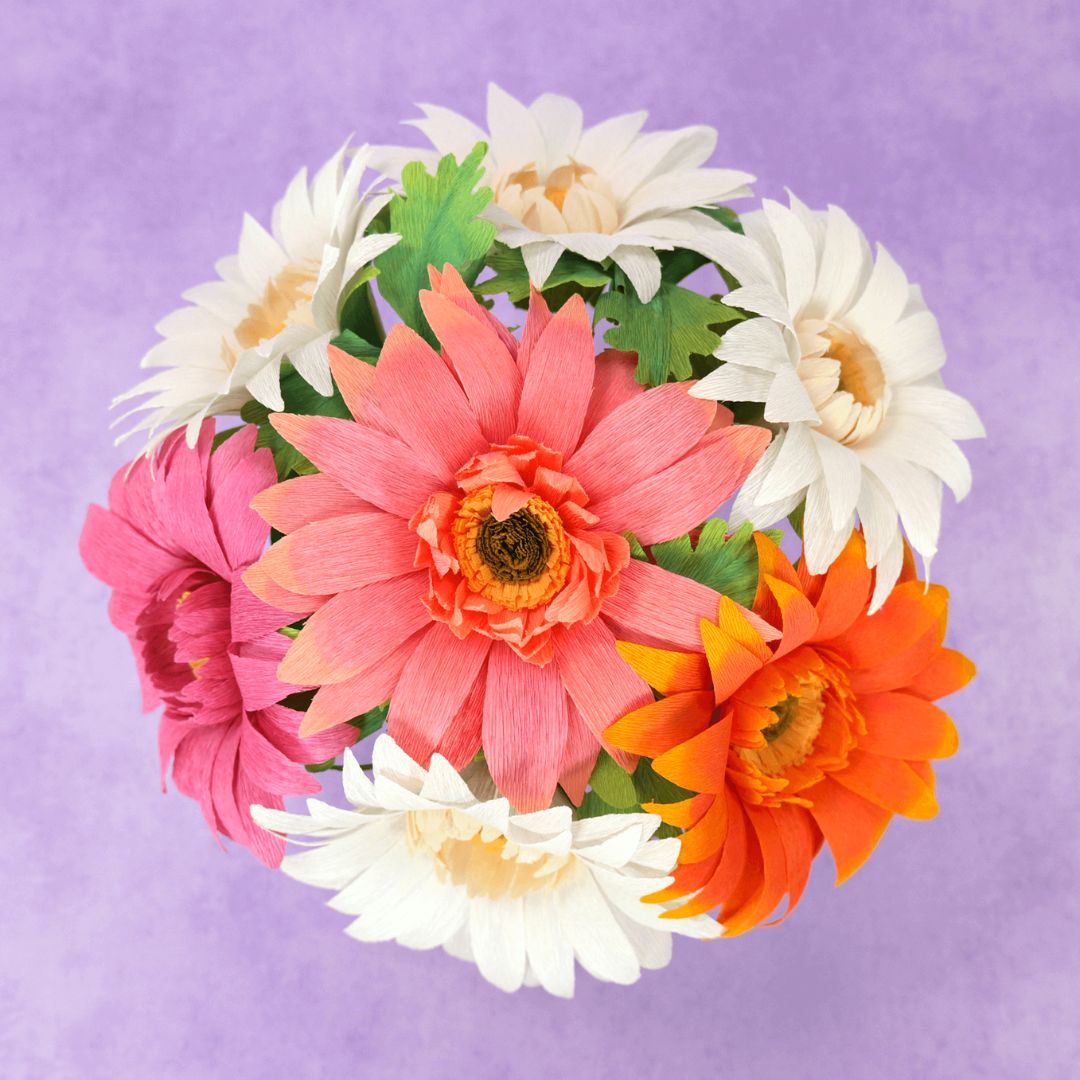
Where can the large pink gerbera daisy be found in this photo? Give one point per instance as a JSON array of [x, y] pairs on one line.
[[177, 535], [462, 549]]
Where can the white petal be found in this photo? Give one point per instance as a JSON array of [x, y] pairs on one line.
[[684, 189], [797, 252], [746, 507], [917, 495], [540, 258], [821, 541], [312, 364], [796, 466], [949, 412], [601, 145], [600, 945], [516, 139], [843, 477], [882, 301], [916, 440], [642, 267], [842, 268], [758, 343], [887, 572], [497, 931], [730, 382], [448, 131], [551, 956], [910, 349], [559, 119], [788, 401], [261, 259], [762, 299]]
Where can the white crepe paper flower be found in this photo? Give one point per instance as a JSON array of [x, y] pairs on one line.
[[846, 358], [423, 860], [277, 297], [605, 192]]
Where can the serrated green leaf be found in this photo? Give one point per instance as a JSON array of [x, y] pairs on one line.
[[512, 278], [613, 783], [437, 218], [675, 325], [354, 345], [725, 563]]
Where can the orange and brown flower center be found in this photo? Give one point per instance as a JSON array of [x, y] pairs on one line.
[[790, 740], [519, 562]]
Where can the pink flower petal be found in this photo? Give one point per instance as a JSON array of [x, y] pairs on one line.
[[355, 379], [342, 553], [600, 683], [536, 322], [680, 497], [337, 703], [656, 607], [254, 667], [559, 380], [450, 284], [482, 362], [639, 439], [118, 555], [239, 472], [297, 502], [434, 685], [426, 405], [282, 727], [464, 735], [266, 589], [613, 385], [579, 756], [525, 723], [371, 464], [356, 629], [251, 618]]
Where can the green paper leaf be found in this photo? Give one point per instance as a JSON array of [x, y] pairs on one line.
[[357, 313], [654, 788], [675, 325], [354, 345], [728, 564], [438, 223], [612, 783], [324, 766], [512, 278]]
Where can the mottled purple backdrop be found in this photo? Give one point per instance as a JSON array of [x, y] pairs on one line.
[[134, 136]]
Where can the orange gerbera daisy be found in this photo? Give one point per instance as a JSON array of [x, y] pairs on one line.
[[824, 734]]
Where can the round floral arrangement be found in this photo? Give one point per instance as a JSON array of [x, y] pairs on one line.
[[470, 576]]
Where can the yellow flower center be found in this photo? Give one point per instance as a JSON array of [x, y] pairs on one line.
[[791, 738], [571, 198], [520, 562], [480, 858], [861, 374], [285, 302]]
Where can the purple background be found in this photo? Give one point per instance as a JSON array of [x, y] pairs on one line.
[[135, 135]]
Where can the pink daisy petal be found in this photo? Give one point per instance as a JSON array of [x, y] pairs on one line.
[[579, 756], [303, 499], [613, 385], [434, 685], [639, 439], [559, 380], [524, 730]]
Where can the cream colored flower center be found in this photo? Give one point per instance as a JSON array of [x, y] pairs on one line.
[[570, 198], [482, 859], [845, 381], [791, 738], [286, 301]]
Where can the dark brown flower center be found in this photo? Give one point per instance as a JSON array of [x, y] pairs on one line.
[[517, 549]]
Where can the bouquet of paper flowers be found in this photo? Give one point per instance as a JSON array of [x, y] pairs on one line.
[[468, 574]]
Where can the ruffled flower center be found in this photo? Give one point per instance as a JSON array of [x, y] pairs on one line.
[[791, 738], [513, 551], [519, 562], [286, 301], [845, 381], [570, 198], [481, 859]]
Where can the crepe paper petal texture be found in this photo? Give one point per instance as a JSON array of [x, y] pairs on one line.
[[277, 298], [173, 544], [423, 858], [845, 357], [604, 192], [461, 555], [820, 736]]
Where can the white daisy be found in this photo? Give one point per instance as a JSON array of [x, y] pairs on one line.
[[422, 860], [605, 192], [277, 297], [845, 357]]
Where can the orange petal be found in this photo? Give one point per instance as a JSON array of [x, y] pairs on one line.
[[734, 620], [774, 882], [845, 590], [665, 670], [684, 814], [802, 841], [700, 763], [798, 619], [689, 877], [730, 663], [899, 725], [705, 838], [730, 869], [889, 783], [852, 826], [948, 672], [657, 727]]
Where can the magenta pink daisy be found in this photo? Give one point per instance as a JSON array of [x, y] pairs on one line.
[[462, 550], [177, 536]]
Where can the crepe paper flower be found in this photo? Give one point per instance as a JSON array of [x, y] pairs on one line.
[[825, 734], [277, 297], [845, 357], [172, 545], [605, 192], [462, 547], [422, 860]]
